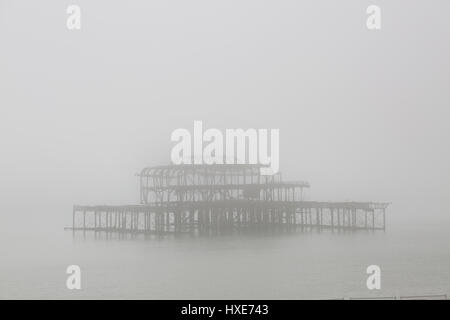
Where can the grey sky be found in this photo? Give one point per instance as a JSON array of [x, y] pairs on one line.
[[363, 115]]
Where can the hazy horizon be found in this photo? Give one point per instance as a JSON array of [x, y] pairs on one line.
[[363, 115]]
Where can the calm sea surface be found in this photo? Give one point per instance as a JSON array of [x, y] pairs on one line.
[[414, 260]]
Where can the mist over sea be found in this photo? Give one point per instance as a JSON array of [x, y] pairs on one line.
[[363, 115], [414, 259]]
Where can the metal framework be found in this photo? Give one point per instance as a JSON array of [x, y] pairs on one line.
[[217, 198], [214, 183]]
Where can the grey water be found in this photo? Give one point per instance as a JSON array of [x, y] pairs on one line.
[[363, 116], [414, 258]]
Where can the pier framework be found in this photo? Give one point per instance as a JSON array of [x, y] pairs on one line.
[[220, 198]]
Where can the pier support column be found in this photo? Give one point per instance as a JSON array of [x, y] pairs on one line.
[[339, 217], [365, 219], [73, 219], [373, 219], [332, 218]]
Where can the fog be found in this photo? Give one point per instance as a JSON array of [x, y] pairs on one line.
[[363, 115]]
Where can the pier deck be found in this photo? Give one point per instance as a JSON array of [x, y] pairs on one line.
[[207, 216], [219, 197]]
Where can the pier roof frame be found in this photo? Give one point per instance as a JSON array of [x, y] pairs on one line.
[[174, 170]]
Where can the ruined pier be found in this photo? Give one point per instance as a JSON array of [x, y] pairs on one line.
[[219, 198]]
